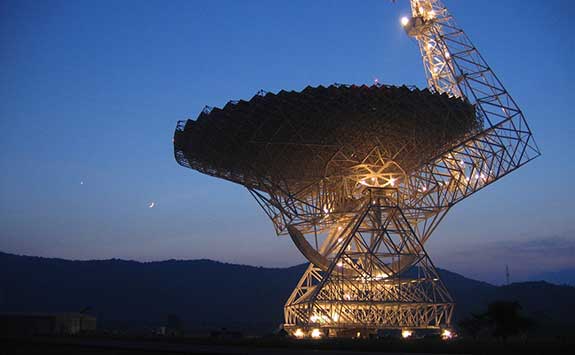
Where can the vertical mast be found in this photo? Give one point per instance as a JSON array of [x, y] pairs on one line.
[[426, 26], [454, 66]]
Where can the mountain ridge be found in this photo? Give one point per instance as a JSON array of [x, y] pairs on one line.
[[208, 294]]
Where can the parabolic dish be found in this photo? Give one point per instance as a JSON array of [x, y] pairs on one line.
[[288, 138]]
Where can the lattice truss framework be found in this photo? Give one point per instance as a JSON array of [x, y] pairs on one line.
[[363, 287], [363, 225], [454, 66]]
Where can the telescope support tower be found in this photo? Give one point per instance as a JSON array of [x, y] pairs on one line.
[[366, 287]]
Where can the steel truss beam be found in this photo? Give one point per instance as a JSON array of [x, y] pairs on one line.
[[455, 67], [374, 210], [366, 286]]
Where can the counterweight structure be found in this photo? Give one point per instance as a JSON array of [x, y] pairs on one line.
[[360, 177]]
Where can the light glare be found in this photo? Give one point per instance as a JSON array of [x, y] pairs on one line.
[[299, 333], [446, 334], [316, 334]]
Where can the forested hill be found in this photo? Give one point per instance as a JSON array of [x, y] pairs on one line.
[[209, 294]]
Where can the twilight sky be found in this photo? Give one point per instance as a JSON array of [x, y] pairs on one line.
[[90, 93]]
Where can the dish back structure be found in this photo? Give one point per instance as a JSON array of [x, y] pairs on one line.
[[360, 177]]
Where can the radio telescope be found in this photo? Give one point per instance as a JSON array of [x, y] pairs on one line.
[[360, 176]]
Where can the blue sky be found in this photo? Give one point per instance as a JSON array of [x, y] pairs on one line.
[[91, 91]]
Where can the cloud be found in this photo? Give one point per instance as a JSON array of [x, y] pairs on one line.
[[551, 250], [526, 258]]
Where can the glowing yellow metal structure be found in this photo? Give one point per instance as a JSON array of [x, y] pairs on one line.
[[379, 276], [360, 177]]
